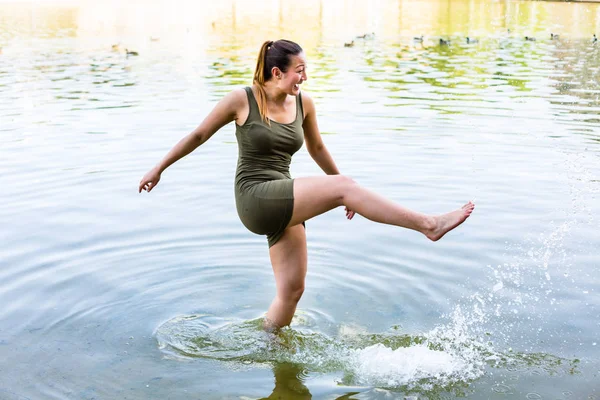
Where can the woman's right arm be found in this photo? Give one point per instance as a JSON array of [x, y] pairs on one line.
[[226, 110]]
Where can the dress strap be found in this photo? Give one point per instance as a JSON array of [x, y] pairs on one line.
[[254, 113], [299, 107]]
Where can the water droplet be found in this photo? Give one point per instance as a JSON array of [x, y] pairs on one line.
[[500, 388], [533, 396], [536, 372]]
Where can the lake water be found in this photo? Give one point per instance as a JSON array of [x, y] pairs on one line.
[[110, 294]]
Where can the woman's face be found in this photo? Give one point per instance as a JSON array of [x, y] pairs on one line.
[[296, 74]]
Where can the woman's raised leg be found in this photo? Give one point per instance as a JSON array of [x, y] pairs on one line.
[[289, 259], [315, 195]]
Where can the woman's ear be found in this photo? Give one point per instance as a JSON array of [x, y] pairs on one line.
[[276, 72]]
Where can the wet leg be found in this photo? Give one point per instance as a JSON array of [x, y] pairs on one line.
[[289, 262]]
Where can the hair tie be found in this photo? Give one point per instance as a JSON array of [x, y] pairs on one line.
[[269, 45]]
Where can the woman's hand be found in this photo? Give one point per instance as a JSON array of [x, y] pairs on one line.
[[349, 213], [150, 180]]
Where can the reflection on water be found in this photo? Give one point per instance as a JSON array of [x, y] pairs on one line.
[[91, 271], [289, 383], [577, 76], [219, 45]]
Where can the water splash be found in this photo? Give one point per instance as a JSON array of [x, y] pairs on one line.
[[539, 267], [379, 365], [442, 358]]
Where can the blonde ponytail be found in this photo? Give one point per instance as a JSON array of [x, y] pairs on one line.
[[259, 80]]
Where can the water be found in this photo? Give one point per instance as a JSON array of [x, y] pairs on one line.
[[107, 293]]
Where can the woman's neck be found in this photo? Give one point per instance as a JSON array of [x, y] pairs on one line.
[[274, 94]]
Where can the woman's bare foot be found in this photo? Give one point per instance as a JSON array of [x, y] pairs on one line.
[[446, 222]]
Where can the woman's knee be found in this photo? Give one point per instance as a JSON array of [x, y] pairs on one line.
[[346, 180], [292, 291], [346, 184]]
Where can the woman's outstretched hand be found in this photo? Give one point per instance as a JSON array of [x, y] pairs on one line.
[[349, 213], [150, 180]]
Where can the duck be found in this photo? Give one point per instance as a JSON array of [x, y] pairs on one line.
[[349, 44], [595, 39], [472, 41], [530, 38], [444, 42], [366, 36], [554, 36], [418, 39], [131, 52]]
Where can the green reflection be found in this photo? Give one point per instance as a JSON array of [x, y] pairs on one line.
[[289, 383], [223, 42]]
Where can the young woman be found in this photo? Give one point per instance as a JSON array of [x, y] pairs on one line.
[[273, 119]]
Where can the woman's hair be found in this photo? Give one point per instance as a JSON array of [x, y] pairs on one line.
[[272, 54]]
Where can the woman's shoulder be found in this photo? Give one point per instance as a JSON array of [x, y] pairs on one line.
[[307, 102], [236, 98], [239, 93]]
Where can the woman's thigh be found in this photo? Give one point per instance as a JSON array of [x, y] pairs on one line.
[[316, 195]]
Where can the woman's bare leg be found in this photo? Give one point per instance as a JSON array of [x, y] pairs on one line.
[[315, 195], [289, 259]]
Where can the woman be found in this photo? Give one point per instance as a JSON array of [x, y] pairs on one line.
[[272, 120]]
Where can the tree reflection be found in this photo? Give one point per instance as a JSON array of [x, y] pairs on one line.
[[577, 81]]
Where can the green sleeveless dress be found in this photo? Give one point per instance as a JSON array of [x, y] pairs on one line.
[[264, 189]]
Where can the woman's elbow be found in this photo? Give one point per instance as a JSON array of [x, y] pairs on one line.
[[199, 136], [315, 150]]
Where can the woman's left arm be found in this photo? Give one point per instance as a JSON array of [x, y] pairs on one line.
[[314, 143], [312, 137]]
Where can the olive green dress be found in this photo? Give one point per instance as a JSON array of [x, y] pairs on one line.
[[264, 189]]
